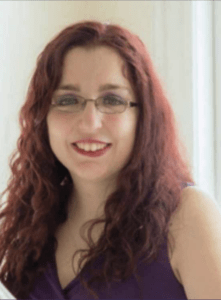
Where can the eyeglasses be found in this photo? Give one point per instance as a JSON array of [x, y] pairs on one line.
[[108, 104]]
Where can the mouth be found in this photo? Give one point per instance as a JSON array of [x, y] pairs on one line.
[[96, 153], [108, 144]]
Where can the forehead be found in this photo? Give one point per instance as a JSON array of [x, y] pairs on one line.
[[98, 62], [98, 54]]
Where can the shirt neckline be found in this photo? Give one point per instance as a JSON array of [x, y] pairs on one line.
[[71, 283]]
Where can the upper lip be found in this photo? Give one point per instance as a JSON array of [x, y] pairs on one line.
[[90, 141]]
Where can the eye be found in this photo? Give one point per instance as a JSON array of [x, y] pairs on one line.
[[113, 100], [66, 100]]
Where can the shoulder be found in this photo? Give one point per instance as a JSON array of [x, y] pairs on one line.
[[196, 230]]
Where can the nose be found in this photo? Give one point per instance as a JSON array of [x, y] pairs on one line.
[[90, 117]]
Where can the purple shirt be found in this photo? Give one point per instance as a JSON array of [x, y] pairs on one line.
[[157, 282]]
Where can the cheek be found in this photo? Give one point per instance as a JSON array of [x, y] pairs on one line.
[[57, 126], [123, 126], [116, 124], [113, 119]]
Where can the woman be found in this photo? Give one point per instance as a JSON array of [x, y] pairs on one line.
[[114, 161]]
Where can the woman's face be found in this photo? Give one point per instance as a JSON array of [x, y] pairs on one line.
[[89, 69]]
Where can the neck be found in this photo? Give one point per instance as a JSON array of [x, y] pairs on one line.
[[87, 201]]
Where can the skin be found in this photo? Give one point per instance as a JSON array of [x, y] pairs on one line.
[[94, 178]]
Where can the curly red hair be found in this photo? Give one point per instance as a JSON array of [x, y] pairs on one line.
[[148, 190]]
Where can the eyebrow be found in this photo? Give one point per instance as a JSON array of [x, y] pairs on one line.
[[104, 87]]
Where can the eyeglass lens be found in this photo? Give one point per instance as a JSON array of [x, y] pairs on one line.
[[106, 104]]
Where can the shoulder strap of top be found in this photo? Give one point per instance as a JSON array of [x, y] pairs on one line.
[[185, 184]]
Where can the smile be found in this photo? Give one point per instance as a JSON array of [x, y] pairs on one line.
[[92, 153]]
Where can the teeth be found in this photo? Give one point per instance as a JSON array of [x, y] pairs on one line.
[[90, 147]]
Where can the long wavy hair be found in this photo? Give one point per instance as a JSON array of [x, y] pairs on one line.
[[148, 189]]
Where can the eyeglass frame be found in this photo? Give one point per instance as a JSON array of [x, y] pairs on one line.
[[128, 104]]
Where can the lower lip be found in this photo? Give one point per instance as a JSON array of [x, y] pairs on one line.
[[91, 153]]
